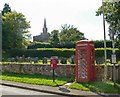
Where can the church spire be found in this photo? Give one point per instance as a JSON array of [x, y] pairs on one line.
[[45, 26], [45, 22]]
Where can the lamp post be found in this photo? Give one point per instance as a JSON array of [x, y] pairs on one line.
[[0, 36], [105, 53]]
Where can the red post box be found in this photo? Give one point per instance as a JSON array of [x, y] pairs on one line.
[[85, 66], [53, 62]]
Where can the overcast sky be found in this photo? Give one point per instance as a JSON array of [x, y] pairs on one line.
[[79, 13]]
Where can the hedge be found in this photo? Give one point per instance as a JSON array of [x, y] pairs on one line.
[[63, 52], [48, 45], [98, 44], [99, 53], [43, 52]]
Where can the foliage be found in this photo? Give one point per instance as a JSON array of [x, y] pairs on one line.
[[112, 16], [98, 44], [60, 52], [36, 45], [34, 79], [54, 37], [63, 60], [14, 30], [70, 34], [48, 45], [43, 52], [103, 87], [99, 54]]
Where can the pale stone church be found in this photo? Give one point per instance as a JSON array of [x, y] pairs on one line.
[[44, 36]]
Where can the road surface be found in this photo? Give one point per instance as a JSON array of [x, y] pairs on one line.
[[6, 91]]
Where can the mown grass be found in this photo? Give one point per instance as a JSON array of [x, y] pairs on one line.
[[103, 87], [34, 79]]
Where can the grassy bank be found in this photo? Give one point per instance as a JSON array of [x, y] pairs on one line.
[[34, 79], [103, 87]]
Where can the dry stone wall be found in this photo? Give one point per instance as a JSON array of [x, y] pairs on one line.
[[61, 70]]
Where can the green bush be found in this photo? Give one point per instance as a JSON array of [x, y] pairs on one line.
[[98, 44], [99, 54], [60, 52], [48, 45], [43, 52], [39, 45], [63, 60]]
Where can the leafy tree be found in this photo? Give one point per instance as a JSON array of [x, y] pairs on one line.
[[112, 16], [54, 37], [70, 34], [6, 9], [14, 30]]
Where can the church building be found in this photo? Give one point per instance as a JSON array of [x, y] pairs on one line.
[[44, 36]]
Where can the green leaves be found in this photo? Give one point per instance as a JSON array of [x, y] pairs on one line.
[[112, 16], [14, 30], [70, 34], [54, 37]]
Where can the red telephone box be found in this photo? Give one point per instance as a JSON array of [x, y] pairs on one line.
[[85, 66], [53, 62]]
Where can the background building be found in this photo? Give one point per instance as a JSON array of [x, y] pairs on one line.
[[44, 36]]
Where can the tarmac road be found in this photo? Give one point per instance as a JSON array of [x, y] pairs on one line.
[[8, 91]]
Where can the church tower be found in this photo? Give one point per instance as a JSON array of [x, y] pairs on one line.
[[43, 37], [45, 27]]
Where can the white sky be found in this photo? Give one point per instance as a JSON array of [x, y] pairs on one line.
[[79, 13]]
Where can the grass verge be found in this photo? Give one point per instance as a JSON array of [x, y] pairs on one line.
[[34, 79], [103, 87]]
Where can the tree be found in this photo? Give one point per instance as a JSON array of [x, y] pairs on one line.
[[14, 30], [6, 9], [70, 34], [54, 37], [112, 16]]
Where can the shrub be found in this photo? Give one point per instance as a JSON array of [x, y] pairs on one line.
[[43, 52], [63, 60], [98, 44], [63, 52], [48, 45], [44, 60], [99, 54]]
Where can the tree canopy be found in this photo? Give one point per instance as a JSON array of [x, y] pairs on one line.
[[14, 30], [54, 37], [69, 33], [112, 16]]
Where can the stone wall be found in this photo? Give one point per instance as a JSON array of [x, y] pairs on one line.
[[61, 70]]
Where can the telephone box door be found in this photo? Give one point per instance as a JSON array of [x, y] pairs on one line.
[[84, 61]]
